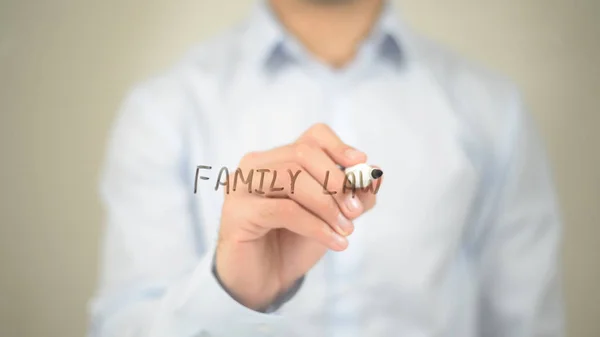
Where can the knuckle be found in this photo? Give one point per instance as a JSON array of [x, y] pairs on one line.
[[293, 166], [266, 210], [302, 151], [250, 157], [285, 207], [320, 127], [311, 141], [329, 208], [316, 130], [340, 149]]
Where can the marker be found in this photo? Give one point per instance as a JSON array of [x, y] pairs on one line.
[[364, 171]]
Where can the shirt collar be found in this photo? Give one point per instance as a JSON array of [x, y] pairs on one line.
[[269, 46]]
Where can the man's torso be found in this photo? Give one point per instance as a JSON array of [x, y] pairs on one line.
[[432, 127]]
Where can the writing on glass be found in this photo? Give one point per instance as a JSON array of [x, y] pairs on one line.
[[253, 181]]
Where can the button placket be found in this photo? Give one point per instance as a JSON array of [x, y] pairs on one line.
[[344, 267]]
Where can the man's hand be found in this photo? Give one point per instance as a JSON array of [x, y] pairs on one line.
[[268, 241]]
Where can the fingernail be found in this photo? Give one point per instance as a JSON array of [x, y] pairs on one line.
[[353, 204], [339, 241], [353, 154], [345, 226]]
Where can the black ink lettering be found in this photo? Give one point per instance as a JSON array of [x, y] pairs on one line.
[[272, 188], [370, 187], [262, 179], [293, 177], [378, 181], [198, 168], [226, 183], [350, 184], [325, 191], [248, 179]]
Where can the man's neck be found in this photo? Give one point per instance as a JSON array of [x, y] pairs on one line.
[[332, 32]]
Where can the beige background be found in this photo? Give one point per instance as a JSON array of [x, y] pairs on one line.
[[65, 66]]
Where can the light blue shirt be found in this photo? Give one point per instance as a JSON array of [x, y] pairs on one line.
[[465, 237]]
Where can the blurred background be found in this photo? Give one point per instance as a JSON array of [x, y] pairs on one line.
[[65, 66]]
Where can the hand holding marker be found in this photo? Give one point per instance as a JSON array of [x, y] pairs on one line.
[[301, 226], [363, 174]]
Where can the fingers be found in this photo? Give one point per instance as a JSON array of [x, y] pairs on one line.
[[368, 195], [303, 189], [323, 136], [305, 178], [309, 193], [313, 160], [285, 213]]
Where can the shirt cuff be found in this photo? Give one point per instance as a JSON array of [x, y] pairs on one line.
[[277, 303], [285, 297], [203, 307]]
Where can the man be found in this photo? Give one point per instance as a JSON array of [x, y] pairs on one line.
[[462, 237]]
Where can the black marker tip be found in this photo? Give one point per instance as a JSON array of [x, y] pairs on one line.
[[376, 173]]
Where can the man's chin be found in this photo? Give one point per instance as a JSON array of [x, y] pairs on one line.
[[331, 2]]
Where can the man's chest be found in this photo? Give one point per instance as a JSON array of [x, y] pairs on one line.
[[408, 239], [406, 128]]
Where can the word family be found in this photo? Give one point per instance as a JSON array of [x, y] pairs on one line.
[[254, 181]]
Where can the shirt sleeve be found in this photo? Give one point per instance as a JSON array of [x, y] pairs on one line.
[[519, 251], [156, 276]]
